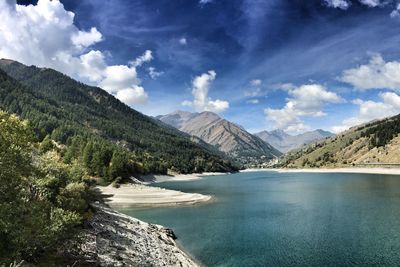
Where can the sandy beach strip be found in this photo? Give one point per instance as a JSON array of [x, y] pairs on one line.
[[137, 195], [389, 171], [148, 179]]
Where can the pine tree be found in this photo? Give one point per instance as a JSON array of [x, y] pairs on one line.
[[88, 157], [118, 166]]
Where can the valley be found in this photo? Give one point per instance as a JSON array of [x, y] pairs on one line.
[[199, 133]]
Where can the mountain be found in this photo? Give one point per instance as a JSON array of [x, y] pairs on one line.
[[228, 137], [285, 142], [88, 118], [375, 143]]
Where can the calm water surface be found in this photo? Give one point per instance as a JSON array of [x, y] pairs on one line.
[[288, 219]]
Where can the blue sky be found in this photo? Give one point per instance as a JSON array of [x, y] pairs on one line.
[[264, 64]]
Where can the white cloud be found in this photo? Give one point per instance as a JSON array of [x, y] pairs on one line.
[[217, 105], [341, 4], [377, 74], [372, 3], [370, 110], [304, 101], [132, 96], [45, 35], [119, 77], [200, 88], [93, 65], [85, 39], [154, 74], [146, 57], [183, 41], [310, 98]]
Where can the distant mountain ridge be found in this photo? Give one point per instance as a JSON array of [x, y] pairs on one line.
[[285, 142], [228, 137]]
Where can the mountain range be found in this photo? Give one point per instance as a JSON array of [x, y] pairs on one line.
[[285, 142], [226, 136], [66, 111]]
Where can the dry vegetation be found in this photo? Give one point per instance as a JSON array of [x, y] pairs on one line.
[[357, 146]]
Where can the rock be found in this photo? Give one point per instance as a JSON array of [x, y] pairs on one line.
[[170, 233], [115, 239]]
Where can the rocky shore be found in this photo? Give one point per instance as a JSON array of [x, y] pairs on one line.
[[115, 239], [111, 238]]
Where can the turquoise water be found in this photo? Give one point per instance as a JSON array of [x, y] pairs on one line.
[[288, 219]]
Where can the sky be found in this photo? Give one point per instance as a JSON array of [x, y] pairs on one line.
[[295, 65]]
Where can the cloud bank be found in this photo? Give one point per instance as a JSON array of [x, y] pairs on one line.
[[377, 74], [45, 35]]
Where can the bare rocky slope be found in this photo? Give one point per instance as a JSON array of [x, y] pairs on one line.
[[228, 137], [285, 142], [114, 239], [374, 144]]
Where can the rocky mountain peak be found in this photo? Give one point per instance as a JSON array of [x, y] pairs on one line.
[[227, 136]]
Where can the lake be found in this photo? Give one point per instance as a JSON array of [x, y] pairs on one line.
[[287, 219]]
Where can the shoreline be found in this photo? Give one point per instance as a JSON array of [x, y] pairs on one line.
[[150, 244], [386, 171], [139, 195]]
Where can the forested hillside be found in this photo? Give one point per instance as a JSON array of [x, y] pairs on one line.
[[97, 128], [376, 143]]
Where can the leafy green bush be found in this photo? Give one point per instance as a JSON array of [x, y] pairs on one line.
[[41, 203]]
